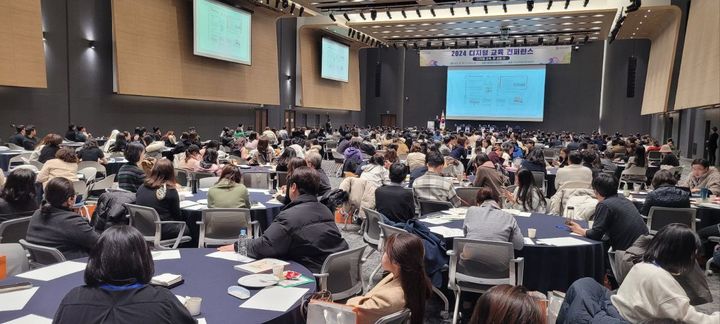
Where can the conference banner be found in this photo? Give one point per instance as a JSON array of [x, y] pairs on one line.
[[496, 56]]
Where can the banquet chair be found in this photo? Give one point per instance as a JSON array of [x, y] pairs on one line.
[[428, 206], [103, 184], [207, 182], [339, 159], [42, 255], [329, 147], [539, 180], [476, 266], [14, 230], [341, 273], [658, 217], [654, 157], [147, 221], [256, 180], [99, 168], [468, 195], [89, 174], [281, 178], [385, 232], [81, 191], [613, 265], [36, 164], [16, 161], [371, 236], [15, 147], [17, 259], [182, 177], [399, 317], [714, 239], [221, 226]]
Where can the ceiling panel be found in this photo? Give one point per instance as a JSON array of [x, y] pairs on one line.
[[647, 22]]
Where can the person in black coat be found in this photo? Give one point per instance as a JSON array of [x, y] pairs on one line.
[[666, 194], [392, 200], [52, 145], [117, 288], [305, 229], [55, 225], [535, 161], [19, 136], [159, 192], [18, 198]]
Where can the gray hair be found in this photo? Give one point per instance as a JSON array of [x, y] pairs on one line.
[[314, 158]]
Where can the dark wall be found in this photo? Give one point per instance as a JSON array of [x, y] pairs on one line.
[[424, 93], [384, 93], [620, 113]]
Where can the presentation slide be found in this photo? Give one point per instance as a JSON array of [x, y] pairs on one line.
[[222, 32], [335, 60], [509, 93]]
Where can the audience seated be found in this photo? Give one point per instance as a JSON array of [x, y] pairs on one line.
[[192, 158], [488, 222], [19, 137], [527, 196], [209, 163], [406, 285], [416, 158], [573, 172], [282, 160], [392, 200], [70, 134], [30, 140], [535, 161], [263, 154], [649, 291], [507, 304], [63, 165], [487, 175], [117, 286], [293, 164], [615, 216], [130, 176], [563, 158], [91, 152], [119, 145], [703, 176], [159, 191], [56, 225], [432, 185], [305, 229], [51, 144], [314, 161], [18, 196], [229, 191], [665, 194], [375, 172]]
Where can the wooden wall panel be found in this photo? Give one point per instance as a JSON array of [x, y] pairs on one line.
[[154, 56], [699, 81], [661, 63], [322, 93], [22, 52]]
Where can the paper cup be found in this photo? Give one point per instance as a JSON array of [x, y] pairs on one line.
[[531, 233], [590, 224], [278, 271], [193, 305]]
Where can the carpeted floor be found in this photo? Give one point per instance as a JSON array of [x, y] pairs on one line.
[[435, 306]]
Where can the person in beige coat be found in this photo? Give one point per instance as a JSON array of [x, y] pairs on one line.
[[65, 164], [406, 286]]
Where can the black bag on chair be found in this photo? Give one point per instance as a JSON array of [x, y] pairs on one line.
[[334, 198]]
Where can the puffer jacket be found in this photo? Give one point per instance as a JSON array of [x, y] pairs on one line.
[[666, 196], [583, 205], [361, 194], [559, 200], [110, 209], [711, 180]]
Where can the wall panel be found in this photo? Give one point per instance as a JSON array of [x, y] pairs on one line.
[[22, 56]]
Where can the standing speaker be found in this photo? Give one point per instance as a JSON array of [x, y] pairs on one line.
[[632, 70]]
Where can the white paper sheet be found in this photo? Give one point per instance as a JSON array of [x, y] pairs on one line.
[[16, 300], [517, 212], [197, 207], [709, 205], [201, 320], [435, 221], [165, 255], [447, 232], [257, 205], [265, 191], [562, 241], [30, 319], [187, 203], [54, 271], [528, 241], [274, 201], [186, 194], [202, 201], [275, 298], [205, 189], [232, 256]]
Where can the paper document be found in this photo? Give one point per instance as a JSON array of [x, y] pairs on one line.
[[54, 271], [528, 241], [447, 232], [204, 190], [265, 191], [257, 205], [517, 212], [201, 320], [261, 265], [275, 298], [273, 201], [202, 201], [435, 221], [187, 203], [562, 241], [197, 207], [186, 194], [30, 319], [16, 300], [165, 255], [232, 256]]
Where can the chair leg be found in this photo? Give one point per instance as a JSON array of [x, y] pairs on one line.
[[446, 304], [372, 275], [457, 307], [708, 272]]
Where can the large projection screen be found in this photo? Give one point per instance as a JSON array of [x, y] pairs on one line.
[[221, 31], [507, 93], [335, 60]]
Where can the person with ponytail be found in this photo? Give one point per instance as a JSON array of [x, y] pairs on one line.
[[406, 286], [56, 225], [159, 192]]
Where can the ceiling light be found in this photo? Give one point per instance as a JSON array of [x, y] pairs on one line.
[[530, 5], [586, 3], [567, 4], [362, 15], [504, 7], [373, 14], [332, 17], [292, 8], [300, 13], [486, 10], [432, 12], [345, 15], [549, 4], [417, 11], [566, 23]]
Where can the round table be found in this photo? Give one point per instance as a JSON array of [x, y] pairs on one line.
[[204, 277], [264, 215], [5, 157], [113, 166], [551, 267]]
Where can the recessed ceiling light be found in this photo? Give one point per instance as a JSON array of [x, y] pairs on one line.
[[631, 37], [401, 25], [538, 25], [395, 36], [566, 29], [637, 28], [424, 24], [641, 23], [597, 22], [535, 18], [645, 16], [593, 37], [566, 23], [487, 33], [648, 10], [596, 27], [540, 30], [599, 15], [566, 17], [451, 23], [385, 32], [376, 26]]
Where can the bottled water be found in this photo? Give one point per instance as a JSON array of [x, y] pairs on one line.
[[242, 242]]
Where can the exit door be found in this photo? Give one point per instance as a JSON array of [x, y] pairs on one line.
[[388, 120], [289, 119]]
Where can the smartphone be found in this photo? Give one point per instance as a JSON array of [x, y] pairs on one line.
[[15, 286]]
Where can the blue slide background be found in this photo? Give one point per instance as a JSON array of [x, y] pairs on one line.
[[513, 93]]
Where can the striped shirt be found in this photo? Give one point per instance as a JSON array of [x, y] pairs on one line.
[[130, 177], [433, 186]]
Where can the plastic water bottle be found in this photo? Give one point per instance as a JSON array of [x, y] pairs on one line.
[[626, 190], [242, 242], [569, 214]]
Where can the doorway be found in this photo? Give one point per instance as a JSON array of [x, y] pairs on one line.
[[261, 120], [388, 120], [289, 119], [706, 153]]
